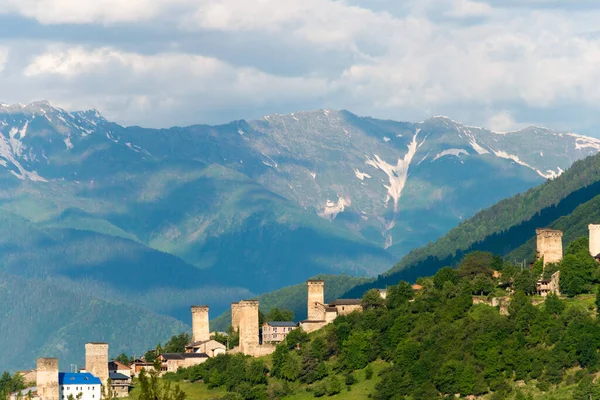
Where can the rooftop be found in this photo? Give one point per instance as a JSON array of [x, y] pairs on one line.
[[115, 376], [116, 365], [81, 378], [346, 302], [281, 323], [183, 356]]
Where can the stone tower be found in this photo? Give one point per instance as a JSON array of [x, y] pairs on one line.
[[316, 300], [549, 245], [594, 231], [248, 310], [200, 326], [96, 360], [235, 316], [47, 378]]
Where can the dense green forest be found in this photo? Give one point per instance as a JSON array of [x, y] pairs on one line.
[[436, 342]]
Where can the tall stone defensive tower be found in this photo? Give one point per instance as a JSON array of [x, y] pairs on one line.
[[248, 310], [235, 316], [200, 325], [594, 231], [96, 360], [316, 300], [47, 378], [549, 245]]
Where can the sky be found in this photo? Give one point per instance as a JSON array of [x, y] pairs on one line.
[[501, 64]]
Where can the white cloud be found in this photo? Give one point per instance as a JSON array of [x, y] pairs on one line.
[[124, 82], [87, 11], [467, 8], [3, 57], [503, 122], [236, 58]]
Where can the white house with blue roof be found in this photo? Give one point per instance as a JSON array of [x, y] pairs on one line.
[[82, 384]]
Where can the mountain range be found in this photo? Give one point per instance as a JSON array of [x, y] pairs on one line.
[[150, 221]]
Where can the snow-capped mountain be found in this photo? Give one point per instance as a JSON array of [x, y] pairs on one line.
[[395, 184], [153, 220]]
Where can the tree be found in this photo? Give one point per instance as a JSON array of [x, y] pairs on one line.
[[586, 390], [577, 274], [598, 300], [277, 314], [107, 391], [150, 356], [372, 300], [334, 386], [476, 263], [525, 282], [177, 343], [446, 274], [124, 359], [554, 305], [358, 350], [153, 388], [482, 285], [399, 295]]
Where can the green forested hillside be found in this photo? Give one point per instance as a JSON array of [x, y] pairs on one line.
[[295, 298], [573, 226], [38, 319], [506, 226], [435, 343]]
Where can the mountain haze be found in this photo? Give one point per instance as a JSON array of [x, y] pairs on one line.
[[159, 219]]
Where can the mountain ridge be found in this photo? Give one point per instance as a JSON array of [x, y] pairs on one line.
[[236, 210]]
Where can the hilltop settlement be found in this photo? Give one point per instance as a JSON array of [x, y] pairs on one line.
[[100, 375]]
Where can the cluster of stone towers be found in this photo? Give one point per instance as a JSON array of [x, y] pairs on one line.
[[96, 363], [549, 243]]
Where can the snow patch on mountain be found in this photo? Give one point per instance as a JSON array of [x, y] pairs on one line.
[[450, 152], [332, 209], [548, 175], [583, 142], [397, 174], [7, 153], [361, 175]]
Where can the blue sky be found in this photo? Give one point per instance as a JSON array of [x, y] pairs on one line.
[[502, 64]]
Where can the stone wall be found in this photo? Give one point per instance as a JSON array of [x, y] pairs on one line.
[[235, 316], [47, 378], [346, 309], [311, 326], [200, 325], [594, 231], [549, 245], [248, 326], [316, 300], [96, 360]]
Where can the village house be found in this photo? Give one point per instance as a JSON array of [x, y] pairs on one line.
[[276, 331], [138, 364], [171, 362], [547, 286], [116, 367], [210, 347], [29, 393], [119, 384], [77, 384]]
